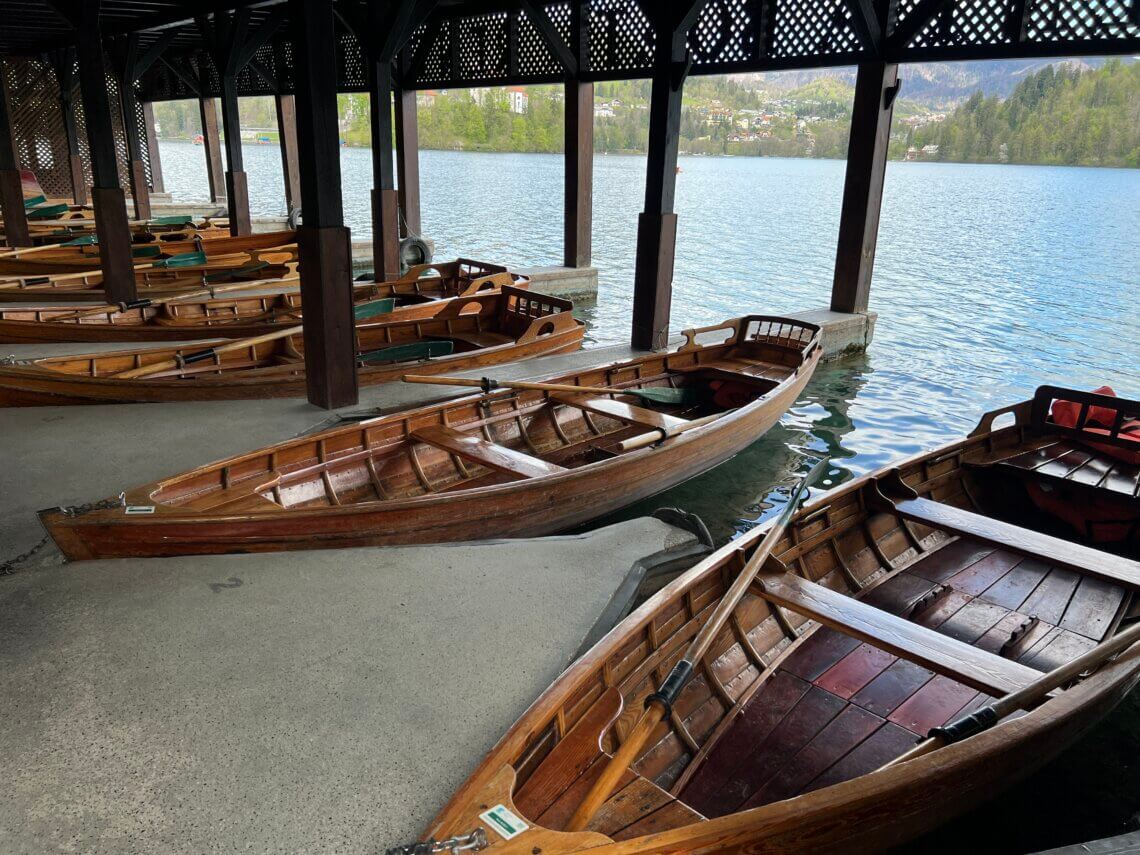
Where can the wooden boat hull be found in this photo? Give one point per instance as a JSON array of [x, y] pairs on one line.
[[32, 385], [845, 540], [531, 507]]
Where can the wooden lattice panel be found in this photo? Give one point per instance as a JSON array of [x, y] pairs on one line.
[[37, 123], [534, 56], [352, 65], [482, 46], [728, 31], [1049, 21], [812, 27], [437, 66], [621, 36]]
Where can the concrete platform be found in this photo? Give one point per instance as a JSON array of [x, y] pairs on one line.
[[300, 702]]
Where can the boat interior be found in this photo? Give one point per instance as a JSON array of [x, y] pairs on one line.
[[504, 436], [891, 606], [425, 283]]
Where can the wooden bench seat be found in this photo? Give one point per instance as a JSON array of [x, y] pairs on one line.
[[476, 339], [970, 665], [489, 454], [622, 411], [1074, 464], [1054, 550]]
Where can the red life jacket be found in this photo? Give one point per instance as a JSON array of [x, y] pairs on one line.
[[1099, 423]]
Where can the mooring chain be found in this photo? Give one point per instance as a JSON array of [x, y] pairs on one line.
[[7, 568], [11, 359], [474, 841]]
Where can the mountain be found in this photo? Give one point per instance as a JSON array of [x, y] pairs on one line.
[[938, 85]]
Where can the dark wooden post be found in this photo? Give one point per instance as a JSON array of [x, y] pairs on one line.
[[287, 134], [323, 241], [579, 154], [156, 183], [64, 63], [408, 160], [237, 184], [107, 196], [125, 52], [875, 90], [385, 200], [11, 191], [211, 142], [657, 225]]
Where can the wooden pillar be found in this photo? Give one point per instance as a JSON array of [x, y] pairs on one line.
[[213, 146], [657, 225], [156, 184], [237, 187], [323, 241], [287, 134], [385, 200], [408, 160], [107, 195], [136, 169], [11, 191], [579, 173], [875, 89], [64, 64]]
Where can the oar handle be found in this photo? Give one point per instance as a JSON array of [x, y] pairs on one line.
[[208, 353], [174, 298], [488, 384]]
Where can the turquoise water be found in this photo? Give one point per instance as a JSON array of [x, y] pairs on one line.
[[989, 281]]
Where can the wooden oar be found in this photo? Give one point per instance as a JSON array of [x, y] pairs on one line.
[[174, 298], [1023, 698], [208, 353], [659, 704], [663, 395]]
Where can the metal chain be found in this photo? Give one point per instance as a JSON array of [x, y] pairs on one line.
[[474, 841], [11, 359], [7, 568]]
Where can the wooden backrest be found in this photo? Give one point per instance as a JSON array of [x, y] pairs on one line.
[[1041, 422], [520, 308]]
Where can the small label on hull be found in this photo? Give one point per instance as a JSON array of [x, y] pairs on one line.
[[139, 509], [504, 822]]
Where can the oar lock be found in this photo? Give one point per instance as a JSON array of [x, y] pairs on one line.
[[489, 385]]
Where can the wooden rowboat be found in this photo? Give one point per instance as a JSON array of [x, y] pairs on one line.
[[895, 604], [413, 296], [487, 329], [493, 465]]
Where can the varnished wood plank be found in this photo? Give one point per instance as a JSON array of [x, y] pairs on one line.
[[622, 411], [764, 711], [1092, 608], [1015, 587], [830, 745], [982, 574], [475, 448], [1059, 647], [932, 705], [882, 746], [941, 610], [558, 814], [1001, 633], [855, 670], [883, 695], [811, 715], [1060, 553], [1051, 597], [899, 593], [944, 655], [955, 556], [815, 655], [972, 621], [672, 815], [630, 804]]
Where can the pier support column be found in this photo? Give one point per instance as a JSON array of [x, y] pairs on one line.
[[408, 161], [579, 172], [107, 196], [657, 226], [385, 199], [63, 61], [237, 187], [875, 89], [211, 142], [287, 133], [323, 241], [11, 191], [156, 184]]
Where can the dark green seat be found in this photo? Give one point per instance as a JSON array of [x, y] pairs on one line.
[[248, 270], [146, 251], [373, 308], [186, 259], [180, 220], [408, 352], [47, 212]]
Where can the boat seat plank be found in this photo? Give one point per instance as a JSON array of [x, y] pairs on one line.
[[983, 671], [1058, 552], [476, 339], [1074, 463], [622, 411], [490, 454]]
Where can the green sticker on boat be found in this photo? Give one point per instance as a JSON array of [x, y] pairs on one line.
[[504, 822], [131, 510]]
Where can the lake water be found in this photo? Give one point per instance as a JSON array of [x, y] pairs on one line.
[[989, 281]]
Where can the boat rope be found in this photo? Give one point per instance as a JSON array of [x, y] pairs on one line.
[[474, 841]]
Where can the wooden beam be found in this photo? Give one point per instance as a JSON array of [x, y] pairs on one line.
[[211, 142], [192, 84], [492, 455], [126, 55], [875, 89], [577, 240], [11, 190], [63, 61], [914, 23], [111, 225], [408, 162], [385, 200], [287, 135], [323, 241], [156, 182], [868, 26], [562, 52]]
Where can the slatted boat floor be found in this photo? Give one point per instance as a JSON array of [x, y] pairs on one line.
[[837, 708], [1076, 463]]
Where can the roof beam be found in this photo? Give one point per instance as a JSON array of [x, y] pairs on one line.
[[550, 35], [914, 23], [865, 18]]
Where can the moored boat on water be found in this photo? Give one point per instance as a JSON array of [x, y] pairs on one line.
[[202, 314], [933, 592], [497, 464], [465, 333]]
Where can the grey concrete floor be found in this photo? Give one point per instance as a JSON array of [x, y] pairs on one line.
[[298, 702]]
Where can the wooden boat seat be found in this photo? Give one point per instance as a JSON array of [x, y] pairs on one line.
[[942, 654], [477, 339], [490, 454], [622, 411], [1054, 550], [232, 500], [1071, 463]]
